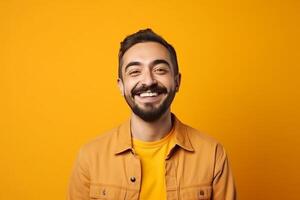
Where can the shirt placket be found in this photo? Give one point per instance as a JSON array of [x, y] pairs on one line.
[[171, 183], [133, 175]]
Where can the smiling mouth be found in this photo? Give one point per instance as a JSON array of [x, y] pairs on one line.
[[151, 93], [148, 94]]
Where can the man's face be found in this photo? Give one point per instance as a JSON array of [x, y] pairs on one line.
[[149, 83]]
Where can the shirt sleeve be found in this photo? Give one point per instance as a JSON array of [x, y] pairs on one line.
[[79, 183], [223, 182]]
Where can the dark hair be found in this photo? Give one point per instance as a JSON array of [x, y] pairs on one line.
[[146, 35]]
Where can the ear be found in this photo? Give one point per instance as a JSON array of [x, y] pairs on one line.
[[177, 81], [121, 86]]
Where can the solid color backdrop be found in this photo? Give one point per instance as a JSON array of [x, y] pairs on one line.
[[240, 83]]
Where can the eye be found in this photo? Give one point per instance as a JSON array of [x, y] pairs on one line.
[[161, 70], [134, 72]]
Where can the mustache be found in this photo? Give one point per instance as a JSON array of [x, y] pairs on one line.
[[144, 88]]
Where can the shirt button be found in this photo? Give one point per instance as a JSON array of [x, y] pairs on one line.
[[201, 192], [132, 179]]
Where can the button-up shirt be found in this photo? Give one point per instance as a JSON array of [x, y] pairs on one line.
[[196, 167]]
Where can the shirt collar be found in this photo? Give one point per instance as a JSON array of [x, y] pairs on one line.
[[124, 140]]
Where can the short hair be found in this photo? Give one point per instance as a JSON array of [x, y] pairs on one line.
[[146, 35]]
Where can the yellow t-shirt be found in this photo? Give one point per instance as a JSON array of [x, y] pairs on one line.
[[153, 155]]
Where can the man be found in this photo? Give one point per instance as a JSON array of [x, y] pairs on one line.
[[153, 156]]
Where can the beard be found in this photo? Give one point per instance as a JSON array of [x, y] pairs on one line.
[[150, 112]]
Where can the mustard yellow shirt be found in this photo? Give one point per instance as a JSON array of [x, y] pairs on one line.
[[152, 156], [197, 168]]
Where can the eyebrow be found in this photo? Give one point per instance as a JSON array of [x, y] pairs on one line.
[[153, 63], [160, 61], [131, 64]]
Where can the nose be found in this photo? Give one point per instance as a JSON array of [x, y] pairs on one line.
[[148, 78]]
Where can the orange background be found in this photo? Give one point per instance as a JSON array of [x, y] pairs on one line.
[[240, 83]]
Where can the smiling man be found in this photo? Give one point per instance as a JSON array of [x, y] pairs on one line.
[[152, 156]]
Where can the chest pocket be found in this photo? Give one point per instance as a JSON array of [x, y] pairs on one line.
[[106, 192], [195, 193]]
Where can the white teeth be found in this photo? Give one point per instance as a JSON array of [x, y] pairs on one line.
[[148, 94]]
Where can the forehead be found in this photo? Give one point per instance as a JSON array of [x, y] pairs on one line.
[[146, 52]]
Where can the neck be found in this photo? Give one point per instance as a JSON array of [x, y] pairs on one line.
[[151, 131]]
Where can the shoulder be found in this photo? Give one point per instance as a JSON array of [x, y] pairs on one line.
[[198, 136], [202, 141], [102, 143]]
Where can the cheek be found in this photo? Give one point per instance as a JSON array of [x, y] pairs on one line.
[[127, 88], [169, 83], [130, 83]]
